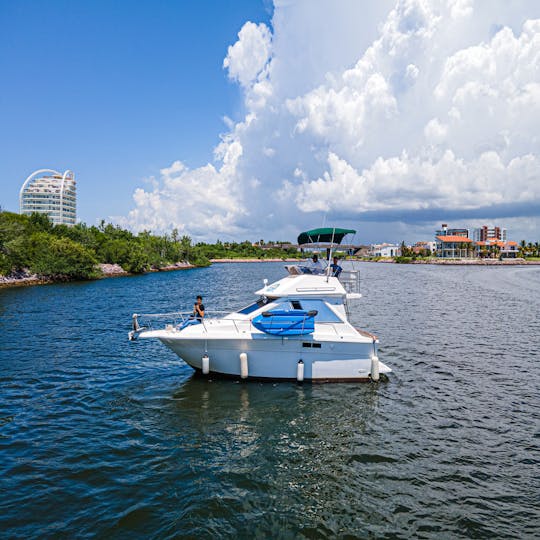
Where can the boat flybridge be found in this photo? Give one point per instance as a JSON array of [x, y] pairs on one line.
[[297, 329]]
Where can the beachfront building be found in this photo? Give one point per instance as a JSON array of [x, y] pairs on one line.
[[454, 247], [384, 250], [49, 192], [493, 248], [485, 233], [487, 243], [453, 243]]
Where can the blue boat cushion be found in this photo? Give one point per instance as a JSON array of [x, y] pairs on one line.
[[281, 322]]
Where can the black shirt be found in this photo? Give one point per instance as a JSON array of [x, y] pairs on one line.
[[196, 313]]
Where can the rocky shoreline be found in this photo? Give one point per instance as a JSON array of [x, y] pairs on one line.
[[20, 279], [25, 278]]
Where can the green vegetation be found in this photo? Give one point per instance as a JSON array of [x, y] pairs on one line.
[[529, 250], [246, 250], [61, 252], [413, 253], [404, 260]]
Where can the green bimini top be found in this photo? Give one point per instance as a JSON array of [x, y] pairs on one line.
[[326, 235]]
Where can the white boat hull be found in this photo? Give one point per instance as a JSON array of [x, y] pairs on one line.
[[278, 358], [298, 329]]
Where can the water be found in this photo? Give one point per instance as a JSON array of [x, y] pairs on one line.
[[100, 437]]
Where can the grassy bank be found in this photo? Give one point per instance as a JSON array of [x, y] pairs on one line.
[[33, 251], [33, 246]]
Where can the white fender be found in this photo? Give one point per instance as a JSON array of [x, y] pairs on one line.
[[205, 364], [243, 365], [374, 368], [300, 371]]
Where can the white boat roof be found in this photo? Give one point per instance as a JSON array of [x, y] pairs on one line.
[[305, 285]]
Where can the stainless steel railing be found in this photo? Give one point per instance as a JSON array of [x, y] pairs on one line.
[[350, 279]]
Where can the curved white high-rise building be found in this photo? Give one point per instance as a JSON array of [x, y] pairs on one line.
[[52, 193]]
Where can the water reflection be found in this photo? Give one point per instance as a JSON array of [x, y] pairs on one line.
[[261, 407], [102, 438]]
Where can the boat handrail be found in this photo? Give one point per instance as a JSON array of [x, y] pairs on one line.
[[174, 320], [350, 279]]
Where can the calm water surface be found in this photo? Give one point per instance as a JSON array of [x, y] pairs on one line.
[[100, 437]]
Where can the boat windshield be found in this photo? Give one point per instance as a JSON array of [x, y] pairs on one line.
[[324, 313], [252, 307]]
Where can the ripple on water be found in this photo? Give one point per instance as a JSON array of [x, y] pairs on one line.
[[101, 437]]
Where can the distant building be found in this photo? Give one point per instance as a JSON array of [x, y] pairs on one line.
[[453, 243], [445, 231], [485, 233], [420, 247], [454, 247], [486, 243], [361, 251], [52, 193], [385, 250], [496, 248]]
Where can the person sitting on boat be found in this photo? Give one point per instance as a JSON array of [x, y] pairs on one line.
[[336, 269], [198, 309], [314, 265]]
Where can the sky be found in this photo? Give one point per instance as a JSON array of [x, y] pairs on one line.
[[246, 120]]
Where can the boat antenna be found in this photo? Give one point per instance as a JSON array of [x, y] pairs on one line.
[[330, 254]]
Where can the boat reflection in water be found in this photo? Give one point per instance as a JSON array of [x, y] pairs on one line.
[[212, 406], [297, 329]]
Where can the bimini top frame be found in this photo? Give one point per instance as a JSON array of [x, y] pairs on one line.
[[330, 236]]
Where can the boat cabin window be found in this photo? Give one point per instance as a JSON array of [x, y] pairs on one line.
[[252, 307], [324, 313]]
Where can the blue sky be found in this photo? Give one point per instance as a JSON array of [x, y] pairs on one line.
[[113, 91], [389, 117]]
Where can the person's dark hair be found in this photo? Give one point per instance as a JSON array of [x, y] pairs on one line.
[[199, 296], [315, 257]]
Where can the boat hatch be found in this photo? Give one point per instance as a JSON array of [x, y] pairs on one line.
[[282, 322]]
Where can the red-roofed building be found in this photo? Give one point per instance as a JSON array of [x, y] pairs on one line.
[[454, 247], [492, 243], [496, 248], [453, 243]]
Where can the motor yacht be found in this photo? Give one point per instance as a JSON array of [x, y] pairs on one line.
[[297, 328]]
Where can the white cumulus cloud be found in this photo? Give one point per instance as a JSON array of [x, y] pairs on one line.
[[408, 111]]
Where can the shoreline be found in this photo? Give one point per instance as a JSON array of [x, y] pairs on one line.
[[460, 262], [248, 260], [115, 270], [108, 271]]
